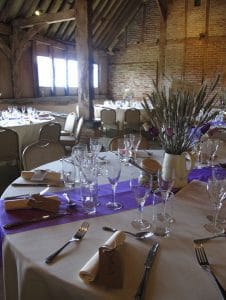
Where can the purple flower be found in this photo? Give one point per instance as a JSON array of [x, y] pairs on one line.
[[153, 131], [169, 131], [205, 128]]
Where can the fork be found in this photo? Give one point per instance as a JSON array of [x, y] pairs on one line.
[[204, 263], [76, 237]]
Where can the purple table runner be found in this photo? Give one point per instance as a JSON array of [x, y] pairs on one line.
[[123, 195]]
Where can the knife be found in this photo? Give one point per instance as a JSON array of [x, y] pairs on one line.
[[30, 184], [34, 220], [147, 267]]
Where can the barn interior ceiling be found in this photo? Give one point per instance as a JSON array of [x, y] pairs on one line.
[[110, 18]]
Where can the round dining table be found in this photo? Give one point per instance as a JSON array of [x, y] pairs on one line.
[[174, 274], [27, 128]]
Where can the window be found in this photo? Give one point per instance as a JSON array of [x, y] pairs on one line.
[[72, 73], [60, 72], [65, 71], [45, 71]]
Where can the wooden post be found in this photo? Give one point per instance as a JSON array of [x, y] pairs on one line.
[[85, 58]]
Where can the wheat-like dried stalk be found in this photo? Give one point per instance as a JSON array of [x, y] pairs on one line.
[[175, 113]]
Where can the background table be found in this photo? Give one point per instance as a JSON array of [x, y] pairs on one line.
[[120, 112], [27, 130]]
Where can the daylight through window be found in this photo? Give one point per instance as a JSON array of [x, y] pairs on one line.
[[65, 72]]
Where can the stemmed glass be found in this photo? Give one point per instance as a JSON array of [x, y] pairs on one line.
[[135, 140], [166, 183], [113, 172], [95, 145], [216, 195], [141, 192], [212, 146], [78, 155]]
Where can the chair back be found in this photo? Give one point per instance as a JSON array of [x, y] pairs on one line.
[[10, 145], [70, 122], [40, 153], [9, 157], [50, 131], [132, 116], [108, 116], [78, 129]]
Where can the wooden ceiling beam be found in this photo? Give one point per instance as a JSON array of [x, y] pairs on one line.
[[5, 29], [63, 16], [163, 7], [107, 20]]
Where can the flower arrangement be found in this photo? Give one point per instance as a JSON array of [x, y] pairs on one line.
[[180, 116]]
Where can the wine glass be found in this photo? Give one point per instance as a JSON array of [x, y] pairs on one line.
[[113, 172], [212, 146], [95, 145], [78, 154], [166, 183], [216, 195], [135, 140], [141, 192]]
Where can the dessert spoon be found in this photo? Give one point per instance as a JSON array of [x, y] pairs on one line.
[[138, 235]]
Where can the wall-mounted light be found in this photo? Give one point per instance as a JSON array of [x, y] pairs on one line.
[[38, 12]]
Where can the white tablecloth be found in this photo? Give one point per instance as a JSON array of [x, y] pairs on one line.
[[175, 274], [28, 131]]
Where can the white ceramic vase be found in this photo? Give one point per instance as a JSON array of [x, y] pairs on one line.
[[177, 167]]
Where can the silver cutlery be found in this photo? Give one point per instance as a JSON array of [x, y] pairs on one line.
[[28, 195], [204, 240], [34, 220], [204, 263], [138, 235], [147, 267], [69, 200], [75, 238]]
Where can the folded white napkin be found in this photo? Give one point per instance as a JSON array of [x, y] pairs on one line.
[[48, 203], [89, 271], [50, 175]]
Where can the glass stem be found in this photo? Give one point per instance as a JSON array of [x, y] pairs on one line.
[[215, 218], [113, 191], [140, 210]]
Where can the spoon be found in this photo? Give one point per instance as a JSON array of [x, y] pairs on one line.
[[69, 200], [138, 235]]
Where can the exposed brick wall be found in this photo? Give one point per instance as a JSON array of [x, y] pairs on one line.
[[195, 46]]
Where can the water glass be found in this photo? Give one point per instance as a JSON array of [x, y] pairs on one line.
[[89, 197], [68, 171], [163, 216]]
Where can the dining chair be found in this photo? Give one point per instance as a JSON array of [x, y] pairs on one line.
[[50, 131], [69, 124], [68, 141], [109, 125], [9, 156], [132, 120], [41, 152]]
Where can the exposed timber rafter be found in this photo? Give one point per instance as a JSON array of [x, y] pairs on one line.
[[66, 15], [163, 7]]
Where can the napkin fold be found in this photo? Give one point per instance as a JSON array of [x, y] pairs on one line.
[[89, 271], [47, 203], [50, 175], [150, 165]]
